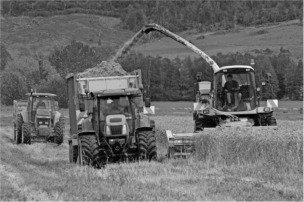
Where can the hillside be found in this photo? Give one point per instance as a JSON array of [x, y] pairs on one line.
[[287, 34], [29, 36]]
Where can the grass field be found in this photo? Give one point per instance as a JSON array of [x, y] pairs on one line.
[[287, 34], [42, 172], [29, 36]]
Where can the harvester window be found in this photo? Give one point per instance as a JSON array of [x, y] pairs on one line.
[[42, 103], [235, 91]]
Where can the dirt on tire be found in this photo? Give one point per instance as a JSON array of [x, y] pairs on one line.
[[92, 154], [59, 131], [18, 133], [147, 145], [26, 133]]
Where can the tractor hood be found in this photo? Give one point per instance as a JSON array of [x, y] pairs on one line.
[[43, 113]]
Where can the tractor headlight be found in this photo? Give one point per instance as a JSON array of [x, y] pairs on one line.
[[178, 141], [124, 129], [40, 122], [266, 109], [108, 131]]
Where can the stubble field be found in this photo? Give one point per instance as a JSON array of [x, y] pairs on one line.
[[228, 165]]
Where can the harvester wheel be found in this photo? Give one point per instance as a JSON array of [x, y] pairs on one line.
[[147, 145], [18, 129], [272, 121], [59, 131], [91, 153], [26, 133], [73, 153]]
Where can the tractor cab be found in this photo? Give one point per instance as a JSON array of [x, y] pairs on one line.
[[235, 89], [41, 108]]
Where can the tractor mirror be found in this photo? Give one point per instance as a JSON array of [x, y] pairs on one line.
[[147, 102], [81, 106], [56, 106]]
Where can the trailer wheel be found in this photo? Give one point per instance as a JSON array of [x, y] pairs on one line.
[[18, 129], [272, 121], [26, 133], [73, 153], [147, 145], [59, 131], [91, 153]]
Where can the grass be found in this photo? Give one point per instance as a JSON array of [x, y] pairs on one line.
[[286, 34], [42, 171], [29, 36]]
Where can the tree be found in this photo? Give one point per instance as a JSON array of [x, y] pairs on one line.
[[5, 57], [13, 86]]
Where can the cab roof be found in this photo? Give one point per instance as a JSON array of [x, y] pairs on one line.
[[235, 67], [41, 94]]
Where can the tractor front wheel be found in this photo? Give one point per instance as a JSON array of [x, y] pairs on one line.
[[272, 121], [90, 152], [73, 153], [18, 129], [147, 145], [26, 133], [59, 131]]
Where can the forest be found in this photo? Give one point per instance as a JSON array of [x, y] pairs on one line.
[[164, 79]]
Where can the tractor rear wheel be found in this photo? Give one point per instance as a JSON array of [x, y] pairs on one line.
[[26, 133], [73, 153], [272, 121], [18, 129], [147, 145], [91, 153], [59, 131]]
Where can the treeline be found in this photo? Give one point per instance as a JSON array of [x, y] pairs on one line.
[[164, 79], [177, 15]]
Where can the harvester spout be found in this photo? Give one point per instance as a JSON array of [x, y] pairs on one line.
[[155, 27]]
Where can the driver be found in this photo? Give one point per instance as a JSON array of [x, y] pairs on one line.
[[40, 104], [232, 88]]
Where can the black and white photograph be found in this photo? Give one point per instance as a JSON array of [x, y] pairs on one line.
[[151, 100]]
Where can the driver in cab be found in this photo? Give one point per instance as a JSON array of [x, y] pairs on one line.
[[232, 88]]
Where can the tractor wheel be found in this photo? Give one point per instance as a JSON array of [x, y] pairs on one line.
[[26, 133], [147, 145], [59, 131], [272, 121], [91, 153], [18, 129], [73, 153]]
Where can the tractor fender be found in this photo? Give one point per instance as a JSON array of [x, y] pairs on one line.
[[75, 137], [145, 121], [56, 117], [86, 124], [143, 129], [24, 115]]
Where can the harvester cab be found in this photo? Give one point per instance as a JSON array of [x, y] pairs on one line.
[[109, 121], [37, 119]]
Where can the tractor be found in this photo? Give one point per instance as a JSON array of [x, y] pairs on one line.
[[37, 119], [109, 121]]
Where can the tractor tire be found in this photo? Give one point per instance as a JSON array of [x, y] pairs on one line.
[[73, 153], [18, 130], [59, 131], [147, 145], [91, 153], [26, 133], [272, 121]]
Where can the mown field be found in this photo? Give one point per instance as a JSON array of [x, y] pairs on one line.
[[243, 39], [228, 165]]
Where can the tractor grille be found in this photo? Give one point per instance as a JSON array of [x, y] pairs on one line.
[[116, 130]]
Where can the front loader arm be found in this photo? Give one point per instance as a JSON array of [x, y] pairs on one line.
[[155, 27]]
